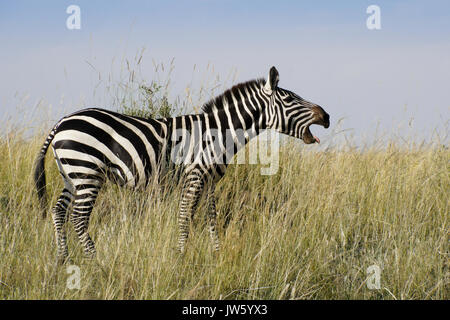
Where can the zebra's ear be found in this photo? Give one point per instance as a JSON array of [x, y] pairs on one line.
[[272, 80]]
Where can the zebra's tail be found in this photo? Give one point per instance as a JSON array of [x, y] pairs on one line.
[[39, 173]]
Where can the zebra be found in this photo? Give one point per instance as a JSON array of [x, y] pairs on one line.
[[93, 145]]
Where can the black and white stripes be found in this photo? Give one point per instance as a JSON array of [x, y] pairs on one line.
[[93, 145]]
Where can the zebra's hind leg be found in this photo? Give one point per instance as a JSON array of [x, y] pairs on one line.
[[212, 219], [192, 191], [82, 208], [59, 215]]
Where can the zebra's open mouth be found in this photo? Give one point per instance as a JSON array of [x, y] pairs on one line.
[[308, 137], [321, 118]]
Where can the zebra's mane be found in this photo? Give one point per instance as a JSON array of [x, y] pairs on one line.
[[217, 104]]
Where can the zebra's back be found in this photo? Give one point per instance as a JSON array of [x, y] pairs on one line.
[[94, 143]]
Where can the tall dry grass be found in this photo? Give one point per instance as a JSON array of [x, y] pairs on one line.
[[308, 232]]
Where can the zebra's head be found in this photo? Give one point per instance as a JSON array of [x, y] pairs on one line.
[[290, 114]]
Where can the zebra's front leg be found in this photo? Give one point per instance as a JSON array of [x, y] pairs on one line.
[[192, 191], [212, 219]]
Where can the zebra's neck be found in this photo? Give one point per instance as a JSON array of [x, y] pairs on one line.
[[228, 123], [241, 108]]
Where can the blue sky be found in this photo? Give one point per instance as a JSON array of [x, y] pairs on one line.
[[322, 49]]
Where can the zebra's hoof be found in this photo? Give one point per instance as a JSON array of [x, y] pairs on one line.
[[63, 260], [90, 255]]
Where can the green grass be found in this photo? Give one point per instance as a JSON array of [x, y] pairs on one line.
[[308, 232]]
